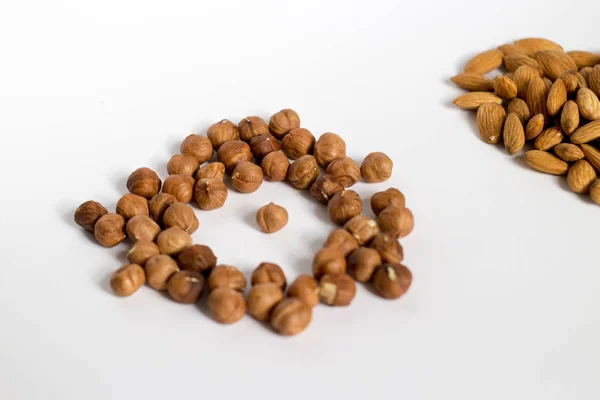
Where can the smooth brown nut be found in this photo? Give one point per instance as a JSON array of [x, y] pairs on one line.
[[392, 280], [182, 164], [291, 316], [180, 186], [110, 230], [271, 218], [221, 132], [159, 269], [197, 146], [328, 260], [173, 240], [262, 299], [388, 247], [251, 127], [391, 196], [297, 143], [144, 182], [226, 305], [212, 170], [282, 122], [182, 216], [127, 280], [396, 221], [337, 289], [362, 263], [303, 172], [141, 252], [198, 258], [210, 194], [345, 170], [131, 205], [88, 214], [305, 288], [159, 204], [142, 227], [325, 187], [342, 240], [226, 276], [329, 147], [186, 286], [343, 206], [376, 167], [233, 152], [263, 145], [275, 166], [362, 228], [247, 177], [268, 272]]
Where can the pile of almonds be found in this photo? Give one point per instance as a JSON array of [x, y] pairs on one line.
[[546, 96], [158, 221]]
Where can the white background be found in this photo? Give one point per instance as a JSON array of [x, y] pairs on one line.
[[506, 288]]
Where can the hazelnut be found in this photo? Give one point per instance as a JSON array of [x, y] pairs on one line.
[[396, 221], [345, 170], [182, 216], [251, 127], [144, 182], [283, 121], [210, 193], [303, 172], [329, 147], [180, 186], [271, 218], [246, 177], [269, 273], [337, 289], [159, 269], [173, 240], [381, 200], [212, 170], [363, 228], [342, 240], [141, 252], [226, 305], [198, 258], [131, 205], [325, 187], [297, 143], [232, 153], [186, 286], [197, 146], [262, 299], [142, 227], [226, 276], [343, 206], [291, 316], [159, 204], [305, 288], [328, 260], [127, 280], [182, 164], [388, 247], [263, 145], [221, 132], [275, 166], [376, 167], [362, 263], [88, 213], [392, 280], [110, 230]]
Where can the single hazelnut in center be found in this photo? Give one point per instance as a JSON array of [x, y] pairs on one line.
[[247, 177], [391, 196], [363, 228], [396, 221], [282, 122], [182, 216], [297, 143], [345, 170], [362, 263], [337, 289], [144, 182], [131, 205], [226, 276], [159, 269], [303, 172], [233, 152], [262, 299], [159, 204], [305, 288], [344, 206], [180, 186], [142, 251], [142, 227], [226, 305], [173, 240], [271, 218], [268, 273], [127, 280], [210, 193], [186, 286], [183, 164], [263, 145], [291, 316], [329, 147], [328, 260], [251, 127], [197, 258], [388, 247], [392, 280], [211, 170], [222, 131], [88, 214], [376, 167], [109, 230], [325, 187], [275, 166], [197, 146]]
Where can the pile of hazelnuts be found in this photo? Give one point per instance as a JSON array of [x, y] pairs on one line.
[[158, 220]]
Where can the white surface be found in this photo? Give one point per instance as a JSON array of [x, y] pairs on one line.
[[506, 290]]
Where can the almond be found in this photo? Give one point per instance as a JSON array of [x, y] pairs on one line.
[[514, 135], [573, 81], [586, 133], [522, 76], [485, 62], [585, 72], [490, 121], [510, 49], [589, 105], [536, 96], [505, 87], [568, 152], [595, 192], [473, 82], [569, 118], [593, 80], [554, 63], [532, 45], [520, 108], [584, 58], [534, 127], [557, 97], [472, 100], [580, 176], [592, 154], [511, 63], [549, 138], [545, 162]]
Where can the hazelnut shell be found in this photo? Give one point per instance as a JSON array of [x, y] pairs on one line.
[[275, 166], [88, 214], [144, 182], [271, 218]]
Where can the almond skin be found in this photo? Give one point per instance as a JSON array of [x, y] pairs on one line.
[[580, 176], [532, 45], [557, 96], [485, 62], [549, 138], [554, 63], [595, 192], [514, 134], [545, 162], [473, 82], [569, 118], [512, 63], [505, 87], [593, 80], [592, 154], [537, 96], [490, 121], [586, 133], [585, 72], [522, 76], [568, 152], [573, 81], [510, 49], [519, 107], [584, 58], [472, 100], [589, 105], [534, 127]]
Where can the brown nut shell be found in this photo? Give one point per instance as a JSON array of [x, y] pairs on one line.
[[180, 186], [291, 316], [197, 146], [344, 206], [337, 289], [173, 240], [262, 299], [182, 216], [247, 177], [131, 205], [158, 271], [110, 230], [142, 227], [210, 194], [297, 143], [226, 305], [268, 272], [271, 218], [362, 228], [226, 276], [392, 280], [305, 288], [88, 214], [345, 170], [186, 286], [212, 170], [362, 263], [251, 127], [342, 240], [198, 258], [144, 182], [303, 172], [141, 252], [222, 131], [376, 167], [328, 260], [282, 122], [182, 164], [127, 280], [275, 166], [263, 145], [388, 247], [159, 204], [233, 152], [396, 221], [391, 196], [325, 187], [329, 147]]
